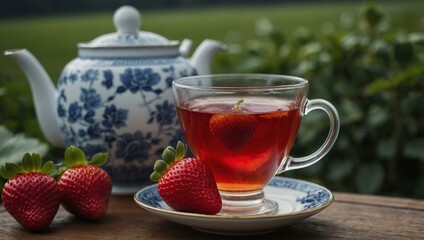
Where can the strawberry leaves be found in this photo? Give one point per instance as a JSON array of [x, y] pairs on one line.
[[30, 163], [10, 170], [76, 157], [33, 163], [99, 159], [48, 168], [169, 156], [180, 151]]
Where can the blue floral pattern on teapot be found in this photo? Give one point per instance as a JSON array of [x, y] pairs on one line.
[[127, 110]]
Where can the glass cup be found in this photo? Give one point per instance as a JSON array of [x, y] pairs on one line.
[[243, 127]]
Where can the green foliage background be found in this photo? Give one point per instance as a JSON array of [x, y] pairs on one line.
[[374, 75], [366, 60]]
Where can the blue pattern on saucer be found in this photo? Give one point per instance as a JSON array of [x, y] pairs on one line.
[[315, 195]]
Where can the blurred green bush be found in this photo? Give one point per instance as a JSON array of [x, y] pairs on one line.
[[374, 75]]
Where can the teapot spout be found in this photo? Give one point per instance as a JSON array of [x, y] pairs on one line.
[[44, 94], [201, 59]]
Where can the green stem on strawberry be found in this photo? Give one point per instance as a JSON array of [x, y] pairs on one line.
[[30, 163], [236, 106], [239, 102], [169, 156], [76, 157]]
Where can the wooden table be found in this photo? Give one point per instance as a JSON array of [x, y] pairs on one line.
[[351, 216]]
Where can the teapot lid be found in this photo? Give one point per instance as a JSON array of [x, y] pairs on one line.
[[128, 41]]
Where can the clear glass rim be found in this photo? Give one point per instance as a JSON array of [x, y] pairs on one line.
[[190, 82]]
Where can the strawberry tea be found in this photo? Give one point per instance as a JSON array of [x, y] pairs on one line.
[[242, 139], [243, 127]]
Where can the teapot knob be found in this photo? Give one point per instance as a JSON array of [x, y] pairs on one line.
[[127, 20]]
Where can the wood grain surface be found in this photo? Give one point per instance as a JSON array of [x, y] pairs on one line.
[[351, 216]]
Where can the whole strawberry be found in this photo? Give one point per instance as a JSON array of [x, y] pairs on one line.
[[84, 186], [233, 129], [186, 184], [30, 195]]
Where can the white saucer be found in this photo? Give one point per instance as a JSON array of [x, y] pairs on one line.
[[297, 200]]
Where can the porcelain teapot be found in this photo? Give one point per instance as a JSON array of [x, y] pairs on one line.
[[117, 97]]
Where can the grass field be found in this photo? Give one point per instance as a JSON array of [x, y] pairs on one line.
[[53, 39]]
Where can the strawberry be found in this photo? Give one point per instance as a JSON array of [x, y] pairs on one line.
[[84, 186], [30, 195], [233, 129], [186, 184]]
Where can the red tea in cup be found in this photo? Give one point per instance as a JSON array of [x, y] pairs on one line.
[[242, 139]]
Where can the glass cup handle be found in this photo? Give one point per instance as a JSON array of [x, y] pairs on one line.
[[301, 162]]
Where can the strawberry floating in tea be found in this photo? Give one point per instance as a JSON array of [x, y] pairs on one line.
[[186, 184], [233, 129], [30, 195]]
